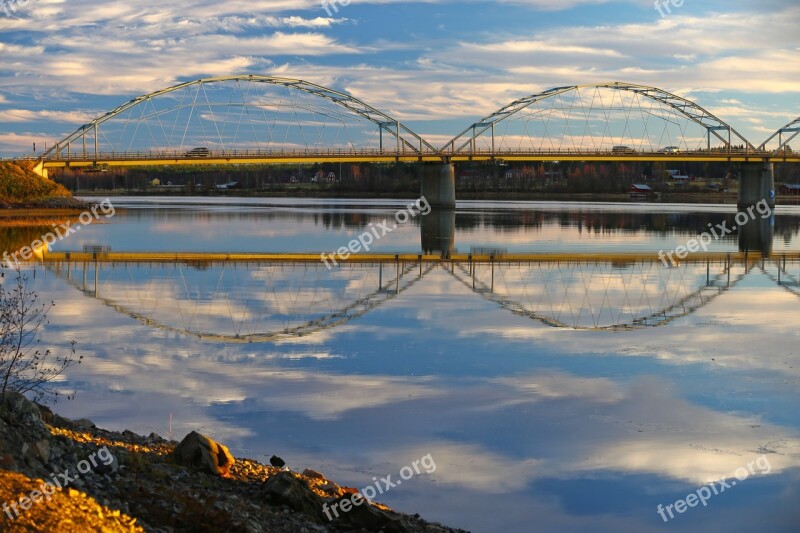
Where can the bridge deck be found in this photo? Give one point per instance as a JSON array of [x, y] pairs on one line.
[[200, 257], [128, 159]]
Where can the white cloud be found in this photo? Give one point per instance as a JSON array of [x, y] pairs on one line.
[[118, 48]]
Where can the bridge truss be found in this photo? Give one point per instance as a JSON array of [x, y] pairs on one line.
[[617, 118], [239, 116], [784, 135]]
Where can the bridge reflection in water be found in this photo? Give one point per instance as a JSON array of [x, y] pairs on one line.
[[438, 230], [267, 297], [268, 301]]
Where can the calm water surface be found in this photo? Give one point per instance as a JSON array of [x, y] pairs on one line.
[[552, 396]]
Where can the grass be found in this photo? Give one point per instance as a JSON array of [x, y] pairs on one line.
[[20, 185]]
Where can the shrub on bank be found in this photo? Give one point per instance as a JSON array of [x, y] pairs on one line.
[[19, 184]]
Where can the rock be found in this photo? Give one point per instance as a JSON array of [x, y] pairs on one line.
[[123, 456], [46, 413], [110, 468], [313, 474], [22, 410], [61, 422], [107, 464], [7, 462], [330, 486], [277, 462], [83, 423], [28, 454], [42, 449], [36, 453], [286, 489], [198, 452], [56, 452], [366, 517]]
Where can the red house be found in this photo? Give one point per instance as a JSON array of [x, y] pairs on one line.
[[640, 190], [789, 189]]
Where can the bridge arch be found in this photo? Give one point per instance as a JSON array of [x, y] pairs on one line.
[[792, 129], [238, 114], [554, 120]]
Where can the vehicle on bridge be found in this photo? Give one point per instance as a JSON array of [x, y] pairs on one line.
[[199, 152], [623, 150], [670, 150]]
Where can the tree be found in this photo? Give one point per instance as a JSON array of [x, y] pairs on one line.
[[24, 367]]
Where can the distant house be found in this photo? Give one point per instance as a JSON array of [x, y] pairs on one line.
[[640, 188], [789, 189], [640, 191], [675, 175]]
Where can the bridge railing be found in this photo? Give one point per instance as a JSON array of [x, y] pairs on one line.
[[616, 152], [230, 154], [375, 152]]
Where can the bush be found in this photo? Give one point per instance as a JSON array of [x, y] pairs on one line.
[[24, 367], [19, 184]]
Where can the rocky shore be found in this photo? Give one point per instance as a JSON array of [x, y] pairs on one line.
[[53, 202], [68, 475]]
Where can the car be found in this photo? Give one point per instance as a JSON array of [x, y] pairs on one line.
[[622, 150], [670, 150], [198, 152]]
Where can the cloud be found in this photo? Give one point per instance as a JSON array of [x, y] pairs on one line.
[[88, 49], [26, 115]]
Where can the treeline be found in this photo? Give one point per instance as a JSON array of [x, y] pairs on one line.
[[404, 178]]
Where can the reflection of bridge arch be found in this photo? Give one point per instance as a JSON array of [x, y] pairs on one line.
[[574, 294], [551, 120], [684, 303], [236, 115], [782, 276], [792, 128], [406, 277]]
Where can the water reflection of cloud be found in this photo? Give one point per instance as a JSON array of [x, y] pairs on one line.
[[509, 408]]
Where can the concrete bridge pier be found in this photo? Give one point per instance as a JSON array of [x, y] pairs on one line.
[[439, 184], [756, 183], [438, 232], [757, 235]]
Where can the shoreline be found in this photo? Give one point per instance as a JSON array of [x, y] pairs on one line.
[[666, 198], [121, 481]]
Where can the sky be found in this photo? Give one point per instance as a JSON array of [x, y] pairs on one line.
[[438, 65]]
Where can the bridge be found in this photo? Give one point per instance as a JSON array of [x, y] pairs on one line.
[[253, 119], [270, 299]]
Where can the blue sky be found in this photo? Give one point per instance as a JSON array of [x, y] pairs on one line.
[[437, 65]]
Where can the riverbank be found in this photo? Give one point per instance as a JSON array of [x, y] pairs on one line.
[[120, 481], [22, 188], [715, 198]]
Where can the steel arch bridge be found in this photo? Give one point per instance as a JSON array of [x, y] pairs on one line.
[[239, 119], [792, 129], [266, 119], [605, 121]]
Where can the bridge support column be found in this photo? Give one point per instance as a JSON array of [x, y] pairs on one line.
[[439, 185], [757, 183], [438, 232], [40, 170], [757, 235]]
